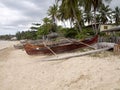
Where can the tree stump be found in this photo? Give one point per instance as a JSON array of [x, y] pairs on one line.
[[117, 49]]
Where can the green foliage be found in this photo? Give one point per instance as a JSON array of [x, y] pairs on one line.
[[104, 13], [60, 30], [42, 31], [102, 34], [117, 15], [118, 34], [86, 32], [6, 37], [26, 35], [70, 33], [71, 10], [34, 28], [73, 33], [47, 27]]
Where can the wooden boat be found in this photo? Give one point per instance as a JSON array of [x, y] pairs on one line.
[[58, 48]]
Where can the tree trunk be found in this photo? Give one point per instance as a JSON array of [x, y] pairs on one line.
[[95, 22], [80, 28]]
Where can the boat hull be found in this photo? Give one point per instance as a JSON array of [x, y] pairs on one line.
[[35, 49]]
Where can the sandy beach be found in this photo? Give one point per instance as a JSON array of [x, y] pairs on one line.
[[19, 71]]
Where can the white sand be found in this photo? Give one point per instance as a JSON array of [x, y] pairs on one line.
[[19, 71], [5, 44]]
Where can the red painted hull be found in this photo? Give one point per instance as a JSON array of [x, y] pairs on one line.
[[35, 49]]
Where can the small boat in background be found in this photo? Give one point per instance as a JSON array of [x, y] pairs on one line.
[[58, 48]]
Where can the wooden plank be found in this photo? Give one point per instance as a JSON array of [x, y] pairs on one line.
[[49, 49], [63, 57], [117, 49], [105, 44]]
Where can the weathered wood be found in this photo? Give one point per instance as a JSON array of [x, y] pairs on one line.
[[90, 46], [31, 49], [49, 49], [105, 44], [111, 39], [75, 54], [73, 41], [117, 49]]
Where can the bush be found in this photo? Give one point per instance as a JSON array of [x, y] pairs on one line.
[[86, 32], [26, 35], [71, 33]]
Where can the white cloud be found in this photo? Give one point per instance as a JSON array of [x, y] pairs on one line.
[[19, 15], [115, 3], [8, 16]]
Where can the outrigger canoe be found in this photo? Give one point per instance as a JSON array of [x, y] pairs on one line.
[[58, 48]]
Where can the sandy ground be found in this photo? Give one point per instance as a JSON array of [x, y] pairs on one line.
[[5, 44], [19, 71]]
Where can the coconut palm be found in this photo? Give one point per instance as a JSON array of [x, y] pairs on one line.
[[46, 20], [116, 15], [93, 5], [52, 12], [98, 18], [105, 13], [47, 23], [68, 11], [88, 17], [69, 8], [80, 18]]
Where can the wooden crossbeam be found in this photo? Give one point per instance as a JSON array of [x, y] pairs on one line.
[[75, 54]]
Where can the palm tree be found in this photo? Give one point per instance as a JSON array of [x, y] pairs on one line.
[[116, 15], [46, 20], [88, 17], [35, 26], [80, 18], [105, 13], [68, 10], [47, 24], [98, 18], [93, 5], [52, 12]]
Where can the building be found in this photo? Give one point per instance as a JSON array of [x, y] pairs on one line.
[[104, 27]]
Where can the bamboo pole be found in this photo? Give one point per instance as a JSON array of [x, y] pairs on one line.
[[49, 49], [76, 54]]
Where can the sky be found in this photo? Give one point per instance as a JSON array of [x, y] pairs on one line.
[[19, 15]]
